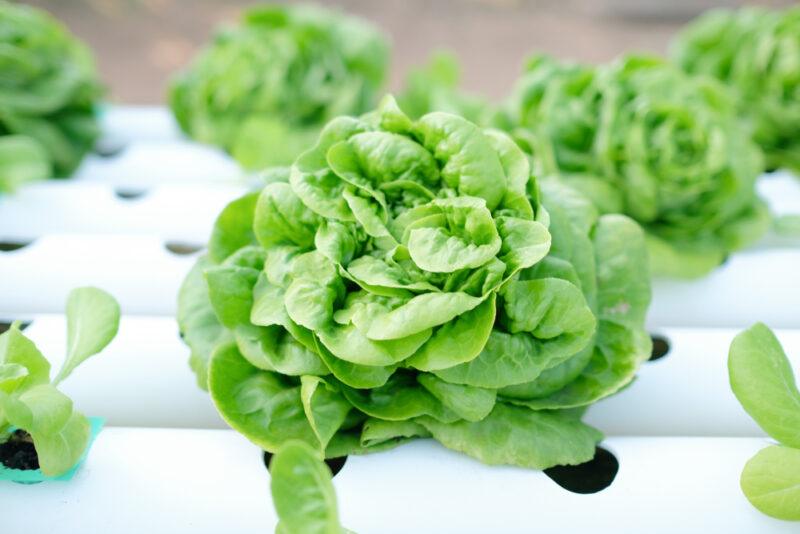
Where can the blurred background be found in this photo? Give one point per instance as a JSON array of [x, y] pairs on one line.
[[140, 43]]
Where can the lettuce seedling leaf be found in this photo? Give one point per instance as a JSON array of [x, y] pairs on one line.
[[771, 482], [18, 350], [92, 322], [762, 379], [302, 492], [60, 435]]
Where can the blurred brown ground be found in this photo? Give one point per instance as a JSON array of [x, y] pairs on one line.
[[139, 43]]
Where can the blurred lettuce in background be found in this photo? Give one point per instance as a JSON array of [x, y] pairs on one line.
[[756, 52], [262, 90], [435, 87], [48, 92], [640, 137]]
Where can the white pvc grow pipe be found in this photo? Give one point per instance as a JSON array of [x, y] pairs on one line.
[[206, 481], [137, 269], [139, 123], [143, 379], [146, 163], [178, 212], [145, 277], [754, 285]]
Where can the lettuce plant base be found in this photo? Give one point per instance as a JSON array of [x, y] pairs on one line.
[[20, 457]]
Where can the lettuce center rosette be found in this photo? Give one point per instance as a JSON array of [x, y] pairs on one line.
[[410, 279], [642, 138], [263, 89]]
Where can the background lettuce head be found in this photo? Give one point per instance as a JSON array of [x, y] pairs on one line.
[[640, 137], [262, 90], [48, 91], [407, 279], [756, 53]]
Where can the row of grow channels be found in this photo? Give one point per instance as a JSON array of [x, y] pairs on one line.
[[267, 15]]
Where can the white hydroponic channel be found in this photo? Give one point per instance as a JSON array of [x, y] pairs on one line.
[[133, 222]]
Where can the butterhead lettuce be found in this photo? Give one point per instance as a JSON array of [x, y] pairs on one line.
[[756, 53], [640, 137], [410, 278], [263, 89], [48, 92]]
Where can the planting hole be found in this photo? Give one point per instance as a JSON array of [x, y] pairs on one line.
[[182, 249], [10, 246], [18, 452], [660, 347], [129, 194], [590, 477], [109, 147], [334, 464], [5, 325]]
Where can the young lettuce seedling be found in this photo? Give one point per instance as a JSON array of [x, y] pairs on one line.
[[762, 379], [31, 402], [302, 492]]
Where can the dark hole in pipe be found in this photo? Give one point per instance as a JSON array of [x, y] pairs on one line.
[[589, 477], [5, 325], [129, 194], [108, 147], [182, 249], [660, 347], [334, 464], [10, 246]]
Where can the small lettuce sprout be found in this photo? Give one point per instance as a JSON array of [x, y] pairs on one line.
[[761, 378], [30, 401], [302, 492]]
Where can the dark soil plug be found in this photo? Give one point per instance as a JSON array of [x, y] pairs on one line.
[[19, 452]]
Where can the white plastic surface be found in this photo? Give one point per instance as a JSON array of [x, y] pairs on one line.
[[181, 212], [206, 481], [754, 285], [139, 123], [145, 147], [146, 163], [781, 190], [137, 269], [141, 379]]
